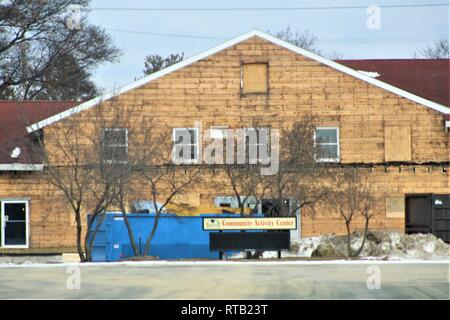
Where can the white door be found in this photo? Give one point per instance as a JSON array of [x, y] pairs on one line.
[[14, 223]]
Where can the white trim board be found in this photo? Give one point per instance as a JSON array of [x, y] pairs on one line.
[[21, 167], [88, 104]]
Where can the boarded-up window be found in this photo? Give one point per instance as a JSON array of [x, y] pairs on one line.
[[254, 78], [397, 143], [395, 207]]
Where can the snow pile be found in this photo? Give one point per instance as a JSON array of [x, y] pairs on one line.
[[386, 245], [302, 248], [379, 244]]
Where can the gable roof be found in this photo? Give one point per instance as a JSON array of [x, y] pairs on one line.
[[340, 67], [15, 147], [428, 78]]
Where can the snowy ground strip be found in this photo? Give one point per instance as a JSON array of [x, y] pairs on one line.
[[227, 263], [380, 247]]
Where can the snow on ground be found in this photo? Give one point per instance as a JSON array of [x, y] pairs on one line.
[[266, 262], [385, 245], [30, 260], [380, 245]]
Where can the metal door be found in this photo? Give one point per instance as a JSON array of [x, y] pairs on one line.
[[441, 217], [418, 214]]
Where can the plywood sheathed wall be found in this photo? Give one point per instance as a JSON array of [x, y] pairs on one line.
[[210, 91]]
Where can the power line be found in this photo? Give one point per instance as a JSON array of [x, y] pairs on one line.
[[267, 8], [413, 38], [167, 34], [397, 39]]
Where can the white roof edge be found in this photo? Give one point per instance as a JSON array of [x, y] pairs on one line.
[[21, 167], [220, 47]]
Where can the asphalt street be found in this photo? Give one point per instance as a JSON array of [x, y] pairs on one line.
[[227, 280]]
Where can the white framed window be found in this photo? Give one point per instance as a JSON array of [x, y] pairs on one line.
[[14, 217], [115, 145], [218, 132], [220, 135], [326, 139], [256, 142], [186, 147]]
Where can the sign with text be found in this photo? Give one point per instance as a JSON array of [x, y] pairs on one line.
[[270, 223]]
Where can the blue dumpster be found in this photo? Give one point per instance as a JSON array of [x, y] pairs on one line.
[[177, 237]]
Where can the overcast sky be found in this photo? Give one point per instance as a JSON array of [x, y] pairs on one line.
[[403, 30]]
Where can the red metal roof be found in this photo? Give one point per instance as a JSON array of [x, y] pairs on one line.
[[427, 78], [14, 117]]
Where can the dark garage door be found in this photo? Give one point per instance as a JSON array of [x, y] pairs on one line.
[[428, 214], [418, 217]]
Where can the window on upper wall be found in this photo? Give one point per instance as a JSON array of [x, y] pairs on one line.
[[254, 78], [115, 144], [186, 145], [257, 143], [326, 140], [218, 132]]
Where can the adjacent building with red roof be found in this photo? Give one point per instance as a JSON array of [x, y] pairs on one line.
[[427, 78], [16, 143]]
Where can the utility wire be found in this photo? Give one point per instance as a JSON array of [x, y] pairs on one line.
[[167, 34], [269, 8], [413, 38], [398, 39]]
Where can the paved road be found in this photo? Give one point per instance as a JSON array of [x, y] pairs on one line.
[[266, 280]]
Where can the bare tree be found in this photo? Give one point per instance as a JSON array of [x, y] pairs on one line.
[[247, 184], [66, 170], [145, 150], [164, 179], [353, 199], [111, 165], [84, 161], [149, 173], [42, 56], [98, 158], [298, 176], [438, 50], [244, 176], [302, 180], [306, 39]]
